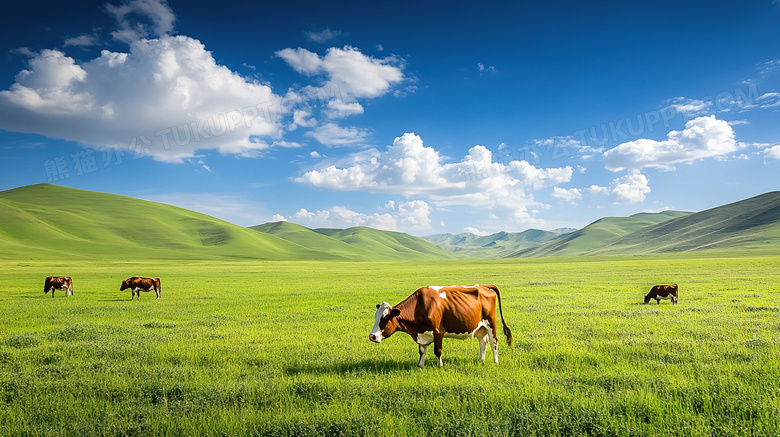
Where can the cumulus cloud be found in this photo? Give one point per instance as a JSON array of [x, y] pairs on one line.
[[569, 195], [404, 216], [630, 188], [354, 73], [411, 169], [139, 19], [166, 97], [338, 108], [703, 137], [475, 231], [772, 152]]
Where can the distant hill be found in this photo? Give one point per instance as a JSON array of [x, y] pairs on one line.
[[496, 245], [52, 222], [357, 243], [45, 222], [749, 224], [598, 234], [745, 225]]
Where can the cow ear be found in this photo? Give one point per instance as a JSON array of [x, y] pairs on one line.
[[378, 305], [395, 312]]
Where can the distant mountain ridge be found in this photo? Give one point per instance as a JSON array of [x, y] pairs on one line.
[[497, 245]]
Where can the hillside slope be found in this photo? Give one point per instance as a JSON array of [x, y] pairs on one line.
[[598, 234], [752, 223], [49, 222], [359, 243], [393, 245]]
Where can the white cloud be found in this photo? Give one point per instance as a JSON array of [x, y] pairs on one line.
[[81, 41], [409, 168], [337, 108], [332, 134], [569, 195], [769, 100], [691, 107], [475, 231], [703, 137], [630, 188], [772, 152], [323, 36], [406, 216], [166, 97], [139, 19], [483, 67], [354, 73]]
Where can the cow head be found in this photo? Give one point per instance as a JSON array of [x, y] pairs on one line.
[[385, 323], [125, 285]]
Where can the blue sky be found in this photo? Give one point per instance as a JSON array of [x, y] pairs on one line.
[[421, 117]]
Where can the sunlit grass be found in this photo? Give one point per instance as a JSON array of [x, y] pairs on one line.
[[281, 348]]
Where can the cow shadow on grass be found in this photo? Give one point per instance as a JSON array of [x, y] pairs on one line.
[[371, 366], [367, 366]]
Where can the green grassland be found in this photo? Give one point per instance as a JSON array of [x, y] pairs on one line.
[[281, 348]]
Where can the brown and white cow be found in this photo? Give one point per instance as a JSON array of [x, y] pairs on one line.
[[433, 313], [659, 292], [137, 284], [58, 283]]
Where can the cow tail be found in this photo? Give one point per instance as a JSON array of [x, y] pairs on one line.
[[507, 331]]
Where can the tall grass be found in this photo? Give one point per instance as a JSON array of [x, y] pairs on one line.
[[278, 348]]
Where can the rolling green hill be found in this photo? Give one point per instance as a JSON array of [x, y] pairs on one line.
[[358, 243], [745, 225], [597, 235], [749, 224], [394, 245], [51, 222]]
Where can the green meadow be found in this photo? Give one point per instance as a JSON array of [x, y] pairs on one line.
[[281, 348]]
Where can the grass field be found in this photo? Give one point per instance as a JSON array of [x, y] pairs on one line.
[[281, 348]]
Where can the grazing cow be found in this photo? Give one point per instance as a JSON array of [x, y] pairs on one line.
[[659, 292], [432, 313], [58, 283], [137, 284]]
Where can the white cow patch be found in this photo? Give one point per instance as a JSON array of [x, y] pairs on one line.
[[382, 311], [435, 287], [425, 338], [443, 295]]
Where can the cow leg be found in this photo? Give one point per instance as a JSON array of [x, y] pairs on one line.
[[52, 291], [437, 343], [481, 333], [158, 293], [423, 349], [70, 292], [493, 343], [482, 348]]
